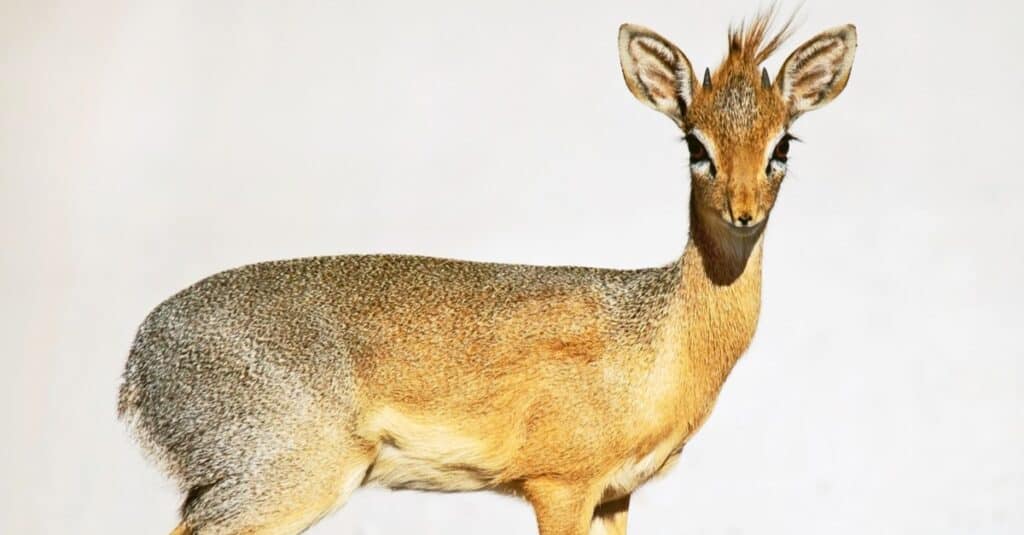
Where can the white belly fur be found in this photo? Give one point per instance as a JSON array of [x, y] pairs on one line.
[[429, 456]]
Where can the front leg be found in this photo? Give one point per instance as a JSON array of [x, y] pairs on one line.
[[562, 508], [610, 517]]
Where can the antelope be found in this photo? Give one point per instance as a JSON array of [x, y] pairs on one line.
[[272, 391]]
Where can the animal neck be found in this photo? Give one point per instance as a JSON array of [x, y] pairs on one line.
[[719, 302]]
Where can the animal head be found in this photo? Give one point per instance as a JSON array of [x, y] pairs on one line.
[[736, 119]]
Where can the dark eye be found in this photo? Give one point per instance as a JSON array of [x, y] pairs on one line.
[[699, 154], [781, 152], [697, 151]]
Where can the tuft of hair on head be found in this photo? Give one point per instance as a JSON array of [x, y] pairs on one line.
[[750, 42]]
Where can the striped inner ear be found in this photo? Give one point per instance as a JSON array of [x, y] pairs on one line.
[[818, 71], [656, 72]]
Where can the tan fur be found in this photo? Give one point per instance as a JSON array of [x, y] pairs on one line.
[[272, 391], [181, 529]]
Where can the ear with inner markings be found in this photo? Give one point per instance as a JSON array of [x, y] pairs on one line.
[[656, 72], [817, 72]]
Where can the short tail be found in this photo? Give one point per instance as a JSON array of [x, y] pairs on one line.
[[127, 398], [129, 395]]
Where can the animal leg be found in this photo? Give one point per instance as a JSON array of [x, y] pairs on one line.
[[610, 517], [182, 529], [282, 502], [561, 508]]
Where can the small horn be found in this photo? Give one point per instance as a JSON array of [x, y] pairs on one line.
[[707, 78], [765, 81]]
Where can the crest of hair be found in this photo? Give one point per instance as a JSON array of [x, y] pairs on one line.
[[750, 41]]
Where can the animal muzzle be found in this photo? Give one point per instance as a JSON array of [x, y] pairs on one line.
[[743, 210]]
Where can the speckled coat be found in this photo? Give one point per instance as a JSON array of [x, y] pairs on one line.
[[272, 391]]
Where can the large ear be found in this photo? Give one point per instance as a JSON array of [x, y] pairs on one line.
[[817, 72], [656, 72]]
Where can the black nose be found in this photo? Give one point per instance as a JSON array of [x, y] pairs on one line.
[[744, 219]]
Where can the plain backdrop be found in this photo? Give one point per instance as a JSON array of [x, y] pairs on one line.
[[145, 145]]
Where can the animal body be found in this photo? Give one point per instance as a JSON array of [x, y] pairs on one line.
[[272, 391]]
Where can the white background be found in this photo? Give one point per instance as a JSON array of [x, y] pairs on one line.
[[146, 145]]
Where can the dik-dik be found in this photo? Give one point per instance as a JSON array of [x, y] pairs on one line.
[[272, 391]]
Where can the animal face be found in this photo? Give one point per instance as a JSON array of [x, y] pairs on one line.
[[736, 120]]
